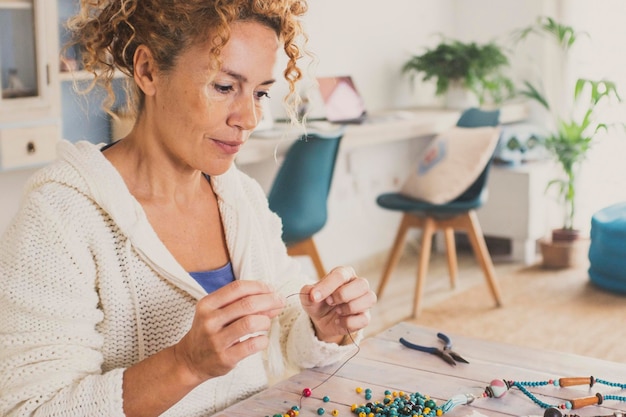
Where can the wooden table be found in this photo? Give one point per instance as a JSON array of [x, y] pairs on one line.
[[383, 363]]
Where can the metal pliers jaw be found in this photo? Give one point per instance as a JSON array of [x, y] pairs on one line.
[[448, 348], [446, 354]]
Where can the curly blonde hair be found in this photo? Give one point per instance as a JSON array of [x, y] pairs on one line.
[[109, 32]]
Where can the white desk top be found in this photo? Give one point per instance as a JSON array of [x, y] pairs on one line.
[[381, 128]]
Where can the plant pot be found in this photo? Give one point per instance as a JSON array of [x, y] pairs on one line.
[[458, 97], [565, 235], [564, 254]]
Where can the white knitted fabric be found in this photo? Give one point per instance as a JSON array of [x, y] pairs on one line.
[[87, 289]]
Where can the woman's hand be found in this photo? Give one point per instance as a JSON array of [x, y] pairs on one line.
[[339, 304], [229, 325]]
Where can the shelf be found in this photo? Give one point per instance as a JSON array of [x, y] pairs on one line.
[[16, 4], [83, 75]]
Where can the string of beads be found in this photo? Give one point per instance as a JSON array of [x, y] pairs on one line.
[[498, 388]]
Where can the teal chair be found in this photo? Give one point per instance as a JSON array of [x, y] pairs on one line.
[[299, 193], [459, 214]]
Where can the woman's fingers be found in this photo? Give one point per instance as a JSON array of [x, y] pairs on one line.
[[325, 289], [339, 303], [229, 325], [239, 299]]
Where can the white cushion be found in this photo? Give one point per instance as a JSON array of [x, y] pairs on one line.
[[451, 163]]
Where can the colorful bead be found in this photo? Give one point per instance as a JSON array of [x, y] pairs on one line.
[[326, 399], [497, 388], [358, 390], [320, 411], [306, 392], [335, 412]]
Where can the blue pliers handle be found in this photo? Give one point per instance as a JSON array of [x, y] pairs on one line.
[[446, 354]]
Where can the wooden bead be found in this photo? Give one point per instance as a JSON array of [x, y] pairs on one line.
[[585, 401], [570, 382]]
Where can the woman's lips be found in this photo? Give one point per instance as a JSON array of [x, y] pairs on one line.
[[228, 147]]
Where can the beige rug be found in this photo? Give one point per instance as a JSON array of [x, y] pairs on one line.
[[556, 310]]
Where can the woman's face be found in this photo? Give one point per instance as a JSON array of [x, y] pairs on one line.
[[203, 120]]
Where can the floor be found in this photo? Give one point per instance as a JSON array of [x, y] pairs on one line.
[[396, 303]]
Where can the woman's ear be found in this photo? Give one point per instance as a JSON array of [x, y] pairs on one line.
[[145, 70]]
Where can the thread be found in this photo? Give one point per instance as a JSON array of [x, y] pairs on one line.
[[332, 374]]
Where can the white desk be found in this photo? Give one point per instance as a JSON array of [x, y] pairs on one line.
[[383, 127]]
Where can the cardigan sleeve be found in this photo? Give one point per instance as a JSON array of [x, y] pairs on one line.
[[50, 350]]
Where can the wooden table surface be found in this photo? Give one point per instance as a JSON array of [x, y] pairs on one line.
[[384, 364]]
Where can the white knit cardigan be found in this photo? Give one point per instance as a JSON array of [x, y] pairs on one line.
[[88, 289]]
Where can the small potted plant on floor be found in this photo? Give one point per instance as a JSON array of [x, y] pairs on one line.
[[478, 69], [569, 140]]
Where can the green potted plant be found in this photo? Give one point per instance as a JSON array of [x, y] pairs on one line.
[[570, 138], [477, 68]]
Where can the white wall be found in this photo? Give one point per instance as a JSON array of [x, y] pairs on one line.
[[603, 179]]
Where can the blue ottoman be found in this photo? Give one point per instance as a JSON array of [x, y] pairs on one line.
[[607, 250]]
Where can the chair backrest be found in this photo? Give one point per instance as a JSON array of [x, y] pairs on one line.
[[474, 117], [299, 193]]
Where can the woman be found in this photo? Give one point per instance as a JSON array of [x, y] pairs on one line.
[[148, 277]]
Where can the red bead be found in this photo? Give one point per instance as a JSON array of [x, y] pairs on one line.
[[306, 392]]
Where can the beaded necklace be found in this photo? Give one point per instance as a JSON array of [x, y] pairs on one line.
[[498, 388]]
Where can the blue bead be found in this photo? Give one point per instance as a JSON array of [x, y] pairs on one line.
[[320, 411]]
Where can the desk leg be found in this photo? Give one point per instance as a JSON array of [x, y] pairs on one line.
[[524, 250]]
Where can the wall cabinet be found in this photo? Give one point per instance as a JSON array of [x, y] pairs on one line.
[[29, 103]]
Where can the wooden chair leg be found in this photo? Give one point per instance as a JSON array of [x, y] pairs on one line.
[[307, 248], [479, 246], [451, 255], [396, 251], [427, 238]]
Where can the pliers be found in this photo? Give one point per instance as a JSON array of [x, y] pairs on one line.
[[446, 354]]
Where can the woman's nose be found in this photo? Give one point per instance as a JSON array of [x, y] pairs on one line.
[[246, 114]]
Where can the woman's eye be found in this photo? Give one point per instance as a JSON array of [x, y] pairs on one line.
[[223, 88], [262, 94]]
